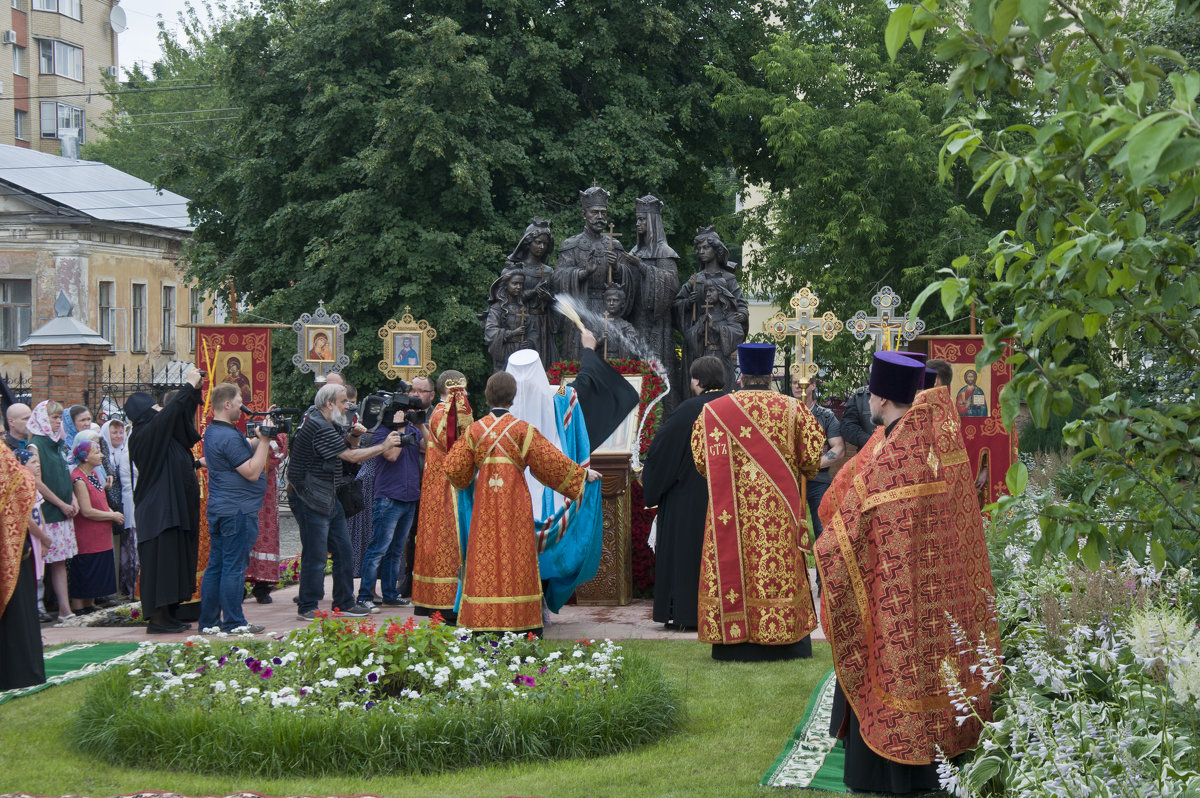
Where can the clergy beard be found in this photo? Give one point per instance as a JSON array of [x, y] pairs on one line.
[[339, 418], [877, 419]]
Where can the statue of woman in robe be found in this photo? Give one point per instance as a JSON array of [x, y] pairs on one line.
[[659, 285], [529, 258]]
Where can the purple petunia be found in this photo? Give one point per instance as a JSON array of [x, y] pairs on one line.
[[542, 670], [267, 673], [373, 677], [201, 669], [526, 681], [222, 660], [368, 705], [276, 661]]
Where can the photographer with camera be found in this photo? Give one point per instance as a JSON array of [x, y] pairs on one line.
[[318, 451], [236, 487], [397, 491]]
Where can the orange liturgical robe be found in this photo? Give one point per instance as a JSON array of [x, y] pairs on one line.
[[502, 590], [903, 556], [752, 446], [438, 558]]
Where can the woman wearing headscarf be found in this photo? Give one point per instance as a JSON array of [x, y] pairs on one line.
[[77, 419], [92, 570], [124, 477], [20, 635], [166, 500], [55, 486]]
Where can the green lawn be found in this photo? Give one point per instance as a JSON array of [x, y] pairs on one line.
[[736, 720]]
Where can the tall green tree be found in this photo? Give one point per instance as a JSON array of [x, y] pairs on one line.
[[1108, 181], [388, 154], [847, 149]]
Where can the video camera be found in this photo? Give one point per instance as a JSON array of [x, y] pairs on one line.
[[380, 408], [281, 424]]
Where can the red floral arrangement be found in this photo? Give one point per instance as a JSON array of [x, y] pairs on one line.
[[640, 517]]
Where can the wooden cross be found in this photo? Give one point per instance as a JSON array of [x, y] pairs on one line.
[[804, 326], [885, 328]]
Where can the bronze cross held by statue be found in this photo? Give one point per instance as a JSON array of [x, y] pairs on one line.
[[804, 326], [884, 327], [611, 236]]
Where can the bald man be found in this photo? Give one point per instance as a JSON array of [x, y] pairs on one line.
[[17, 416]]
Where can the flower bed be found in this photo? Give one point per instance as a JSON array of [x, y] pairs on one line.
[[1100, 685], [348, 697]]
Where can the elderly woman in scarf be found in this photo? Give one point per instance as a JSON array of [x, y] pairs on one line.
[[92, 572], [124, 478], [166, 501], [60, 508]]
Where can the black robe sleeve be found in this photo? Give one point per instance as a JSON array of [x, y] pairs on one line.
[[604, 397], [167, 494]]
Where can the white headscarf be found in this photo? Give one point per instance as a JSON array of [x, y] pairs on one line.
[[534, 404], [118, 457]]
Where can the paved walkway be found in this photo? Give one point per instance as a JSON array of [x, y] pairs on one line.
[[279, 617]]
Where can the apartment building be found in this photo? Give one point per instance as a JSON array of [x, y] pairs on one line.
[[60, 50], [109, 241]]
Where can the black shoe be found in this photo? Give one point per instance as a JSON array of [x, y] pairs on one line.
[[398, 602], [46, 617], [106, 602], [354, 610], [262, 593], [167, 629]]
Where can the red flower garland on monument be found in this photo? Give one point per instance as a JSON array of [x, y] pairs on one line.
[[640, 518]]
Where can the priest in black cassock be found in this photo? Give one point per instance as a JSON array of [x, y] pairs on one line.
[[671, 483], [167, 500], [605, 396]]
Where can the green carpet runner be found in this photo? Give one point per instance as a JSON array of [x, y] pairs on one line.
[[75, 662]]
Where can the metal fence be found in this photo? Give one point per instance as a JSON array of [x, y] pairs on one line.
[[107, 389]]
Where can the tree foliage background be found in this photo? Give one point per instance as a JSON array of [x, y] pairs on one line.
[[846, 146], [387, 154]]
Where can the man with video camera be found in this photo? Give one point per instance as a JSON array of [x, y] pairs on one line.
[[317, 452], [397, 493], [236, 487]]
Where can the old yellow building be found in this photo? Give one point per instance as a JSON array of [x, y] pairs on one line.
[[109, 241]]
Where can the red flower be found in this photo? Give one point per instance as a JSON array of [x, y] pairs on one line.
[[435, 620]]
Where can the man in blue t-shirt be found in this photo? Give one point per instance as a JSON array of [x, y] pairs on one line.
[[236, 487], [397, 493]]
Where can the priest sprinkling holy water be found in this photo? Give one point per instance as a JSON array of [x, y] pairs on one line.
[[755, 601], [906, 589]]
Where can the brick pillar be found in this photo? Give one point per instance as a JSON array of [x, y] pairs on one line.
[[65, 372]]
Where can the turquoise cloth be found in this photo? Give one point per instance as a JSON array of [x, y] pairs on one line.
[[570, 539]]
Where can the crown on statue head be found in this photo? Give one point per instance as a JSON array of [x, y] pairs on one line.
[[594, 197], [649, 204], [614, 288]]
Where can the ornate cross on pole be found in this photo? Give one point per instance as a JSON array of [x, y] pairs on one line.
[[804, 326], [884, 328]]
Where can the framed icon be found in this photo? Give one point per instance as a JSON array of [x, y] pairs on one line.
[[237, 368], [320, 342], [407, 347]]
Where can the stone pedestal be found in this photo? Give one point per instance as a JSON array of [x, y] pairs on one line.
[[63, 372], [613, 583]]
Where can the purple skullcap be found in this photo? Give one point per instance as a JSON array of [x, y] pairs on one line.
[[896, 377], [756, 359]]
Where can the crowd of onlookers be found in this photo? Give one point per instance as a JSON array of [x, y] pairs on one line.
[[82, 526]]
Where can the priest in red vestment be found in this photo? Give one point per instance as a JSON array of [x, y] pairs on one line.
[[502, 589], [751, 446], [904, 562], [438, 555]]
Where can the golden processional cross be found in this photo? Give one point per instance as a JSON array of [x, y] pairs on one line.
[[885, 328], [804, 326]]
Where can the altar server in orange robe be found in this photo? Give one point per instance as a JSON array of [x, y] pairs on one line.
[[501, 589], [438, 555], [904, 562], [755, 601]]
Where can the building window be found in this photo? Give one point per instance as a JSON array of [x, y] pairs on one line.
[[168, 318], [16, 309], [60, 58], [108, 302], [21, 124], [16, 4], [194, 317], [18, 60], [68, 8], [138, 304], [59, 118]]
